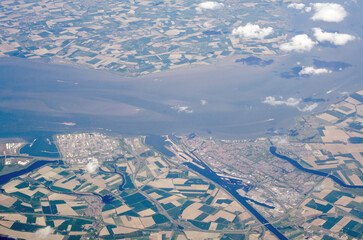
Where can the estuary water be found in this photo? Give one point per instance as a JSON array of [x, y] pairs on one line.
[[224, 100]]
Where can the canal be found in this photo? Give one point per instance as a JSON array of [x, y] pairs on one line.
[[273, 151], [210, 174]]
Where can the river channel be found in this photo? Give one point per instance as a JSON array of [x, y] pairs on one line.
[[319, 173]]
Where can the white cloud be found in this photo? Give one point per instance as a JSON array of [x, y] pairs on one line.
[[298, 6], [291, 102], [184, 109], [44, 233], [203, 102], [313, 71], [280, 141], [309, 108], [335, 38], [299, 43], [252, 31], [319, 188], [328, 12], [209, 6], [92, 166], [207, 24]]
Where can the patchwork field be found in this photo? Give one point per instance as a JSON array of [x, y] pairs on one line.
[[335, 144], [117, 188], [136, 37], [137, 193]]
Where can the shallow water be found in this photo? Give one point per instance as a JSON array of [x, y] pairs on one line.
[[222, 100]]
